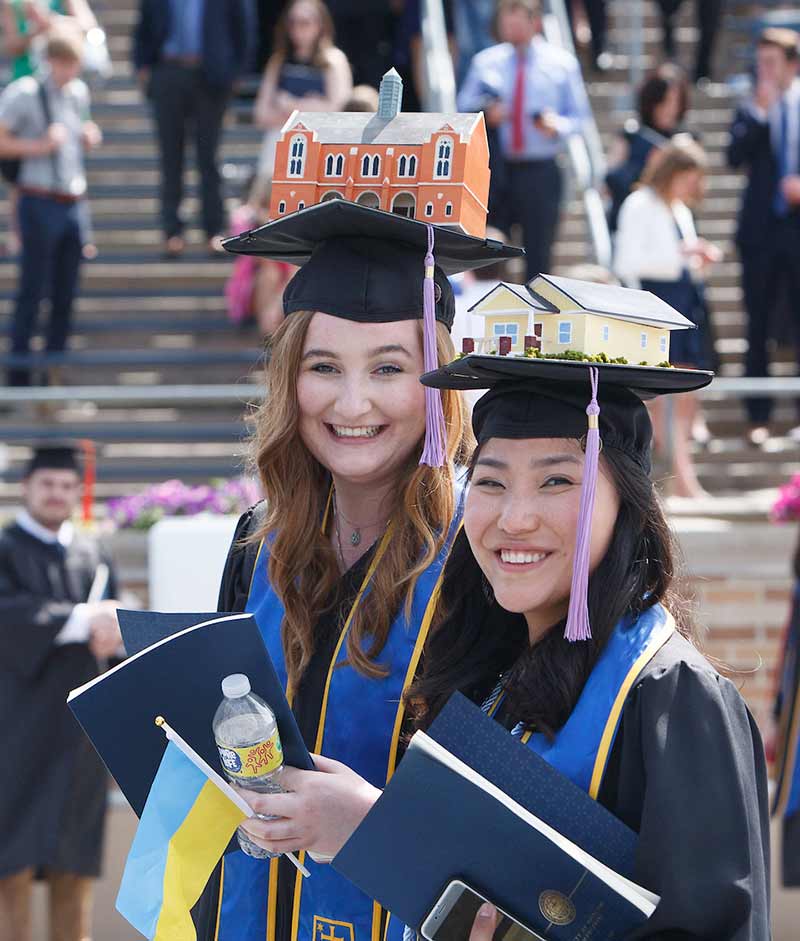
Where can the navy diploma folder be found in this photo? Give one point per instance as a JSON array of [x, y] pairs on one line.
[[466, 803], [178, 677]]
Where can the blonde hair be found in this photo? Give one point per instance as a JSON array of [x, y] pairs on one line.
[[302, 566], [676, 157]]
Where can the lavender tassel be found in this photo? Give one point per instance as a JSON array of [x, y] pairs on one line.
[[434, 451], [578, 627]]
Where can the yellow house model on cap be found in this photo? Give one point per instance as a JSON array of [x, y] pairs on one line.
[[556, 315]]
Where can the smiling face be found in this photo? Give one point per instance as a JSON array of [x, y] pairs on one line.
[[521, 519], [362, 408]]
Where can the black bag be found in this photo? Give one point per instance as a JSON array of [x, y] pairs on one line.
[[9, 169]]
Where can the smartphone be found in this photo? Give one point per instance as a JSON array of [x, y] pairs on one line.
[[452, 916]]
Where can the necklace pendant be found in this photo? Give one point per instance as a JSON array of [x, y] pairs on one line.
[[355, 537]]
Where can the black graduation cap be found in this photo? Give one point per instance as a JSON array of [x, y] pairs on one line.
[[364, 264], [61, 456]]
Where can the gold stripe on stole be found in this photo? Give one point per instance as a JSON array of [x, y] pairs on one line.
[[222, 861], [298, 884], [790, 751], [413, 663], [655, 643]]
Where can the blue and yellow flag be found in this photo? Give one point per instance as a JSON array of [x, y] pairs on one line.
[[186, 825]]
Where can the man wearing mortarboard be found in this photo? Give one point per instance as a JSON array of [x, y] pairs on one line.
[[57, 621]]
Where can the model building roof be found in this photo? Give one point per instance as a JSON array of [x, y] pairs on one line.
[[359, 127], [519, 290], [563, 295]]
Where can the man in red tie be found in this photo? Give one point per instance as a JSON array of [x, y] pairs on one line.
[[533, 97]]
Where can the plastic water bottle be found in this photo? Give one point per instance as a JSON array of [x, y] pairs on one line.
[[249, 746]]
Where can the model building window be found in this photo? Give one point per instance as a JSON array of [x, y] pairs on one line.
[[297, 155], [448, 209], [407, 166], [644, 341], [507, 330], [370, 165], [428, 209], [443, 155], [282, 206], [564, 331], [604, 332], [301, 205], [412, 165], [662, 344], [334, 165], [329, 165]]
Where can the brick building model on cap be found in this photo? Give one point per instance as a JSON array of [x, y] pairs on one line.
[[431, 167]]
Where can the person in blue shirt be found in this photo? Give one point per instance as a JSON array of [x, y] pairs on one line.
[[187, 55], [532, 95]]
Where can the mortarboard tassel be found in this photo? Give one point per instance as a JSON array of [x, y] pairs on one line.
[[433, 453], [578, 626]]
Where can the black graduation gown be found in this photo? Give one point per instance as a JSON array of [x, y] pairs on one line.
[[688, 773], [53, 786]]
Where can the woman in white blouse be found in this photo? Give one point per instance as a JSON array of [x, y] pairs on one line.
[[657, 249]]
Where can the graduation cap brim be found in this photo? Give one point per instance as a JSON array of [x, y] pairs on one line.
[[480, 371], [293, 238]]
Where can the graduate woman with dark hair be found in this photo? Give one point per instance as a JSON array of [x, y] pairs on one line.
[[560, 622], [341, 563]]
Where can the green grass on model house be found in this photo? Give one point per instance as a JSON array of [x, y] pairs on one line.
[[577, 356]]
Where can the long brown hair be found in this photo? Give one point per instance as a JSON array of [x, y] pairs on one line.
[[282, 44], [302, 566]]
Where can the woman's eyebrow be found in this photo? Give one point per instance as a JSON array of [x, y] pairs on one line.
[[539, 462], [325, 354], [555, 459], [389, 348]]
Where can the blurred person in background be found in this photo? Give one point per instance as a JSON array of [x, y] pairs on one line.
[[365, 31], [657, 249], [591, 14], [188, 54], [408, 56], [661, 105], [472, 21], [54, 633], [708, 14], [306, 72], [532, 93], [45, 125], [25, 21], [765, 142]]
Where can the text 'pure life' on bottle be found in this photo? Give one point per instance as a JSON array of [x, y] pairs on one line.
[[249, 746]]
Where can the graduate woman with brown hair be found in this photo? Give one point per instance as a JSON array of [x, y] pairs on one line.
[[342, 562]]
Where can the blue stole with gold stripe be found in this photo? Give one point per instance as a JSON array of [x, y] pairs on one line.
[[360, 725], [580, 749]]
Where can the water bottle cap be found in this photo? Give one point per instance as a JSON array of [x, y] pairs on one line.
[[235, 686]]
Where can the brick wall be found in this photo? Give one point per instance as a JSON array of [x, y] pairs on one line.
[[738, 579]]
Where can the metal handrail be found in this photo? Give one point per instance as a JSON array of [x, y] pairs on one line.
[[723, 387], [586, 153], [439, 75]]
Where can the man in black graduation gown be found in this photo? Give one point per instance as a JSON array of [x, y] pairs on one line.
[[53, 786]]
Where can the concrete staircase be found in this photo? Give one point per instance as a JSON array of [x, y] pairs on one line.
[[163, 322], [728, 465]]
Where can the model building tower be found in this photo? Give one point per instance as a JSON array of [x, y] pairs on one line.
[[555, 315], [431, 167]]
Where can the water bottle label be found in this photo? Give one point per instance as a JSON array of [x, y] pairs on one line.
[[254, 760]]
